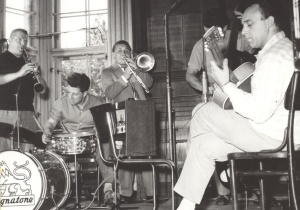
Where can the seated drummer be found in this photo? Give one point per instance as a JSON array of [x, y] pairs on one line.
[[73, 108]]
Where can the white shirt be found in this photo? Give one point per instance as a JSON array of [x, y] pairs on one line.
[[264, 106]]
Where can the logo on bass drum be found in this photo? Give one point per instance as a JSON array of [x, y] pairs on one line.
[[14, 187]]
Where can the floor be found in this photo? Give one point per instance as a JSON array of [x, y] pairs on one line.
[[207, 204]]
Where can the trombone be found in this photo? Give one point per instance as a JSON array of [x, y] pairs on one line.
[[145, 62]]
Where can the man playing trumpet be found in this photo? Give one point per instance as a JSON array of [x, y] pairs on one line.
[[17, 88]]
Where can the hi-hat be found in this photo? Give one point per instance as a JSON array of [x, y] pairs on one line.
[[8, 131]]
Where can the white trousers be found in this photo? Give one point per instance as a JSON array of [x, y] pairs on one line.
[[215, 133]]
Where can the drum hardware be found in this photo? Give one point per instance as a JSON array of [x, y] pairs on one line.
[[73, 144]]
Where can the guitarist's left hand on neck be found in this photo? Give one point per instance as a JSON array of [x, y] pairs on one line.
[[221, 76]]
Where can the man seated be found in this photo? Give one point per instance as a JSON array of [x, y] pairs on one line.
[[258, 119], [73, 108]]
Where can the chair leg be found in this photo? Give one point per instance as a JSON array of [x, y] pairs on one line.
[[262, 189], [154, 187], [172, 185], [292, 189], [98, 182], [233, 185]]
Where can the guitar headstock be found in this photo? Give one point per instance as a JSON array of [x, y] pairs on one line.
[[212, 36], [211, 39]]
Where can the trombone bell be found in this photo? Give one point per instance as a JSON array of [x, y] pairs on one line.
[[145, 61]]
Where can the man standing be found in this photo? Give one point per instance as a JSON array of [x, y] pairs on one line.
[[259, 118], [119, 84], [17, 88], [117, 80]]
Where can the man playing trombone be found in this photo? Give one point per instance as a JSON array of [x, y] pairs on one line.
[[118, 81], [121, 81]]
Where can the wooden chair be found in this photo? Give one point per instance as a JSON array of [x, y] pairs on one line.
[[105, 121], [284, 151]]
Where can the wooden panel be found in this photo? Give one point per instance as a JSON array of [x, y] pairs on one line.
[[192, 32]]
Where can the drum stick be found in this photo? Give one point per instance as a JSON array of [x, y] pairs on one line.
[[39, 125]]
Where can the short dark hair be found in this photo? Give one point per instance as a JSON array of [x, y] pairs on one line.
[[121, 42], [13, 33], [80, 81], [214, 17], [274, 8]]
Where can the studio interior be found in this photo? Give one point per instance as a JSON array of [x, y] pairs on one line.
[[122, 104]]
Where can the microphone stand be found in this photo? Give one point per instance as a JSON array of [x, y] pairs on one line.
[[17, 121], [168, 75]]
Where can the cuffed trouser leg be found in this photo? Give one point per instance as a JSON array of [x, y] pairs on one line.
[[200, 165]]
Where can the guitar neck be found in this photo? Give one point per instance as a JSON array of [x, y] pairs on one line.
[[218, 56]]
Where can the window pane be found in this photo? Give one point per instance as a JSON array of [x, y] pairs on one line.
[[98, 36], [72, 6], [97, 65], [98, 4], [20, 14], [18, 22], [17, 4], [73, 39], [75, 15], [80, 65], [72, 65]]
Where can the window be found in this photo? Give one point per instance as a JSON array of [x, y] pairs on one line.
[[90, 65], [20, 14], [81, 45], [76, 18]]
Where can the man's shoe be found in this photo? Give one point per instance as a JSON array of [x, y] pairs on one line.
[[109, 197]]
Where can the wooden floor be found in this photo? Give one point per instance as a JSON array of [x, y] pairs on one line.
[[207, 204]]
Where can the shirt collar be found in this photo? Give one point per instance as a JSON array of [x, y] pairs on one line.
[[275, 38]]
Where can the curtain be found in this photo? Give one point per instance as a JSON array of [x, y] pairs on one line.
[[120, 24]]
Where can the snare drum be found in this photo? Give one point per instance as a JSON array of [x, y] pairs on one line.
[[33, 181], [74, 143]]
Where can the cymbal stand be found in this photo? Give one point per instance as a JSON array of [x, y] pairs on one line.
[[77, 204], [17, 123]]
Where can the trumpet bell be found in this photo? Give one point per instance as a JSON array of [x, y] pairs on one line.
[[145, 61]]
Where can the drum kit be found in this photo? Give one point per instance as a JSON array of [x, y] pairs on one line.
[[40, 179]]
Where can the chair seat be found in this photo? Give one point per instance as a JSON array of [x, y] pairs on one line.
[[260, 155]]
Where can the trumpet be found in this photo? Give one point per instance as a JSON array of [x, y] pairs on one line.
[[145, 62], [38, 87]]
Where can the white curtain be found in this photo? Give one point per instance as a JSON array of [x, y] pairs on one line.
[[120, 24]]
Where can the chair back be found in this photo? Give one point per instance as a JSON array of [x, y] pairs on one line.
[[293, 92], [100, 120]]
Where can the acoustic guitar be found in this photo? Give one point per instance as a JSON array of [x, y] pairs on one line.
[[241, 76]]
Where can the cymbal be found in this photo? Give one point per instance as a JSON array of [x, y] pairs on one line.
[[26, 136]]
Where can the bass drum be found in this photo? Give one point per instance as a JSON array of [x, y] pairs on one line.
[[33, 181]]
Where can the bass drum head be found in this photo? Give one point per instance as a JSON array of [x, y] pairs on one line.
[[58, 179], [22, 181]]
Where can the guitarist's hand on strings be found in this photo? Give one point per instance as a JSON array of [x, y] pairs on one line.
[[221, 76]]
